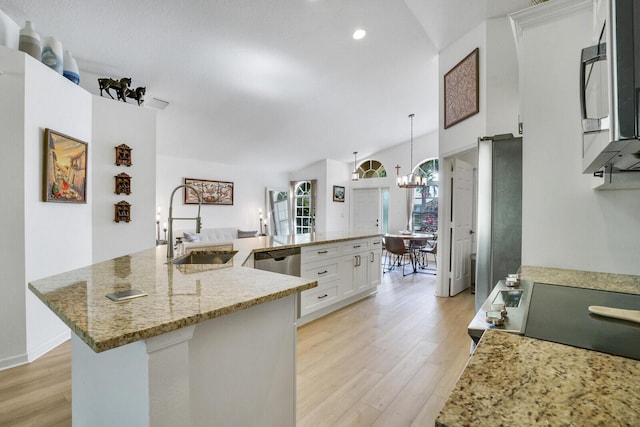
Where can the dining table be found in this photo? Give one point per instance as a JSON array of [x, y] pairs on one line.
[[414, 242]]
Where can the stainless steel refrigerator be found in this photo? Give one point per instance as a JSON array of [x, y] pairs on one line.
[[499, 239]]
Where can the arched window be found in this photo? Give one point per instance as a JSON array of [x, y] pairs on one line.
[[425, 199], [304, 212], [371, 169]]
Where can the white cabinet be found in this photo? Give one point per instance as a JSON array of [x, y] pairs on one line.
[[326, 273], [346, 272]]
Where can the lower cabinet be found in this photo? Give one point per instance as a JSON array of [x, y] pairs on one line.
[[327, 273], [346, 271]]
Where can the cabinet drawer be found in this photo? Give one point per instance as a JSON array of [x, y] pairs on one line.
[[317, 298], [354, 246], [375, 243], [322, 271], [318, 252]]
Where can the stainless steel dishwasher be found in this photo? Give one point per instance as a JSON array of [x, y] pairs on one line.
[[284, 261]]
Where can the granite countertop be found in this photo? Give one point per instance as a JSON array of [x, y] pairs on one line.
[[625, 283], [515, 380], [177, 295]]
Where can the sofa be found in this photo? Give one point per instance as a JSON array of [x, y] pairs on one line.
[[212, 236]]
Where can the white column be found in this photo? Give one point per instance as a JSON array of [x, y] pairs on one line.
[[140, 384]]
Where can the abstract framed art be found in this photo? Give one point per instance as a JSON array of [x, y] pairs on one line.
[[338, 193], [461, 92], [212, 192], [65, 168]]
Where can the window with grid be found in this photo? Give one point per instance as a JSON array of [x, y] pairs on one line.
[[425, 199], [303, 209], [371, 169]]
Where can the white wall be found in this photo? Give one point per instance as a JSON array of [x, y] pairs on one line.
[[499, 105], [463, 135], [57, 236], [565, 223], [13, 341], [337, 213], [249, 191], [501, 68], [116, 123], [43, 239]]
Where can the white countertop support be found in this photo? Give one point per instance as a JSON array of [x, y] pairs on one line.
[[238, 369]]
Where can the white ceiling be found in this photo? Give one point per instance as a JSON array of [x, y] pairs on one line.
[[279, 82]]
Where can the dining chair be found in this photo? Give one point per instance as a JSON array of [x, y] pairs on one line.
[[426, 250], [397, 252]]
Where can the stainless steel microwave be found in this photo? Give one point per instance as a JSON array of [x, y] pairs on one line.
[[610, 89]]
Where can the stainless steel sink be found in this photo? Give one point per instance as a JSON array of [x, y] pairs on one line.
[[205, 257]]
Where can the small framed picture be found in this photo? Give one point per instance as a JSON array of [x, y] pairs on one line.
[[212, 192], [338, 193]]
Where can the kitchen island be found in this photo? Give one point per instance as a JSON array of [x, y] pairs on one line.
[[209, 344], [516, 380]]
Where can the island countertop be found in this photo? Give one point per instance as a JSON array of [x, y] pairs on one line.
[[177, 295]]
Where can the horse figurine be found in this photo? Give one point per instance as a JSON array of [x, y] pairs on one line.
[[120, 86], [137, 94]]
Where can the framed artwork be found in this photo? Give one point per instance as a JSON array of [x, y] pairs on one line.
[[338, 193], [461, 92], [65, 168], [212, 192]]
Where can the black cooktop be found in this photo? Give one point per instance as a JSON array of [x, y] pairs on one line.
[[560, 314]]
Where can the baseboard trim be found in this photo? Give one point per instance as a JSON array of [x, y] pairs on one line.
[[337, 306], [13, 361], [49, 345]]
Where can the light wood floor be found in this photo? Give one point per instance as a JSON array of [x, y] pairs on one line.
[[389, 360]]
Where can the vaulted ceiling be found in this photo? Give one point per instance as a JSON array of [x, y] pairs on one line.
[[277, 82]]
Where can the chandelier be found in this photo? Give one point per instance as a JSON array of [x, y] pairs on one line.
[[411, 180]]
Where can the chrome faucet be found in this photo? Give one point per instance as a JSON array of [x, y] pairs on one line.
[[171, 218]]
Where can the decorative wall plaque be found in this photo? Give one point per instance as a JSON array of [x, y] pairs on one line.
[[122, 212], [461, 90], [123, 183], [123, 155]]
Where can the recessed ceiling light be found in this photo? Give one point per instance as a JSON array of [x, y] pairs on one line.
[[359, 34]]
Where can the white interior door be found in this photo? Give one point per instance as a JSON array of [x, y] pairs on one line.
[[366, 210], [461, 227]]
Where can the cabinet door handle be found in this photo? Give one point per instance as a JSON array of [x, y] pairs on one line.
[[372, 256], [358, 261], [323, 296], [322, 272], [322, 252]]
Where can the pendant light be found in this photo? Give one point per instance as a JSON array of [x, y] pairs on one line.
[[355, 176], [410, 180]]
